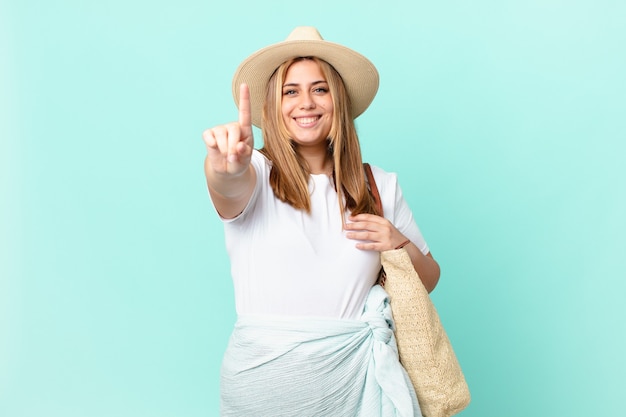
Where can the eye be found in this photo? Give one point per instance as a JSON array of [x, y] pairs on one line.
[[289, 92], [320, 90]]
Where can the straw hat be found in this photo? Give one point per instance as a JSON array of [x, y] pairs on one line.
[[358, 73]]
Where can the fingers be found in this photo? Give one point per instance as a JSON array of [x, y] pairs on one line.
[[369, 222], [218, 138], [367, 227], [245, 112], [232, 139], [368, 218], [372, 232], [230, 146], [225, 151]]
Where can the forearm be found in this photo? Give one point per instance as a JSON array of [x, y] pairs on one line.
[[425, 266], [229, 193]]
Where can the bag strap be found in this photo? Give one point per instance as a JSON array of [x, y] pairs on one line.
[[373, 188], [382, 277]]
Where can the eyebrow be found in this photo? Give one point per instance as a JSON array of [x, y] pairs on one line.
[[297, 85]]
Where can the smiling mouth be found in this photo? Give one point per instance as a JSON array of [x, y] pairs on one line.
[[306, 121]]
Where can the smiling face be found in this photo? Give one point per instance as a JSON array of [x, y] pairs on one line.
[[307, 105]]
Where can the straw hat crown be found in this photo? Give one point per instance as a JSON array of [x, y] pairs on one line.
[[358, 73]]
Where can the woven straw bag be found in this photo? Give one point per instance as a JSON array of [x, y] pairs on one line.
[[423, 345]]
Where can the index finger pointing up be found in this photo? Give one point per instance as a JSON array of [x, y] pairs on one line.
[[244, 111]]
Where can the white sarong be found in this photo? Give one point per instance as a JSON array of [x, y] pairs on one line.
[[307, 367]]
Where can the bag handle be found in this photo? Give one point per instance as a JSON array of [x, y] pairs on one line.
[[379, 206], [373, 188]]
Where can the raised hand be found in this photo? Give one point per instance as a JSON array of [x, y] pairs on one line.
[[229, 146]]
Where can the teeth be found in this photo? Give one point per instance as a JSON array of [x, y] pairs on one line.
[[306, 120]]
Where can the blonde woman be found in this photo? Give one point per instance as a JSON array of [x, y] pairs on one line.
[[313, 335]]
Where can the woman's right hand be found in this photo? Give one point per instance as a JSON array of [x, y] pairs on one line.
[[229, 146], [229, 174]]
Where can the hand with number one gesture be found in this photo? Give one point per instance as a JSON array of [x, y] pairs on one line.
[[229, 146]]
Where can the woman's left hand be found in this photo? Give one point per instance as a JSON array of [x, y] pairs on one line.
[[376, 233], [373, 232]]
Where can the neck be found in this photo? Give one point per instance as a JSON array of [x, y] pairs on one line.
[[318, 161]]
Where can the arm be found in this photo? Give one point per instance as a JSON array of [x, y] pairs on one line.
[[230, 176], [229, 194], [425, 266]]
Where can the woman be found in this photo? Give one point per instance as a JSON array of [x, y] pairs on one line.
[[313, 336]]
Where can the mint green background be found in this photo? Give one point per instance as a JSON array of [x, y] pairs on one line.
[[506, 121]]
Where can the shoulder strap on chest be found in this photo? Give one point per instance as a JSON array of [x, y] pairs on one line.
[[373, 188]]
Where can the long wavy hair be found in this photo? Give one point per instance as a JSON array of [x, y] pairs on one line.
[[289, 174]]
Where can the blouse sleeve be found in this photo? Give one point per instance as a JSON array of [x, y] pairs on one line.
[[261, 167], [396, 209]]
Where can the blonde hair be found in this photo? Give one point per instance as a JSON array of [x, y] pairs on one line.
[[290, 173]]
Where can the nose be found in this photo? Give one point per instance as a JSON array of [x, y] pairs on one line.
[[306, 101]]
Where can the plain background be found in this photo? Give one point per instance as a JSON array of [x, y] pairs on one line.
[[505, 120]]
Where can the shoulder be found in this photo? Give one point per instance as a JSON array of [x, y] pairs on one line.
[[262, 167], [390, 193], [260, 161], [385, 181]]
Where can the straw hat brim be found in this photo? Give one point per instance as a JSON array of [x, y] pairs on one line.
[[358, 73]]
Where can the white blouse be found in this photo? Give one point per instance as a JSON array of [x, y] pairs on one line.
[[288, 262]]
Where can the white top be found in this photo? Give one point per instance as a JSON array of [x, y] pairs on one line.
[[288, 262]]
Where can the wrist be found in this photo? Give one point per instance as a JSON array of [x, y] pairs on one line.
[[403, 244]]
